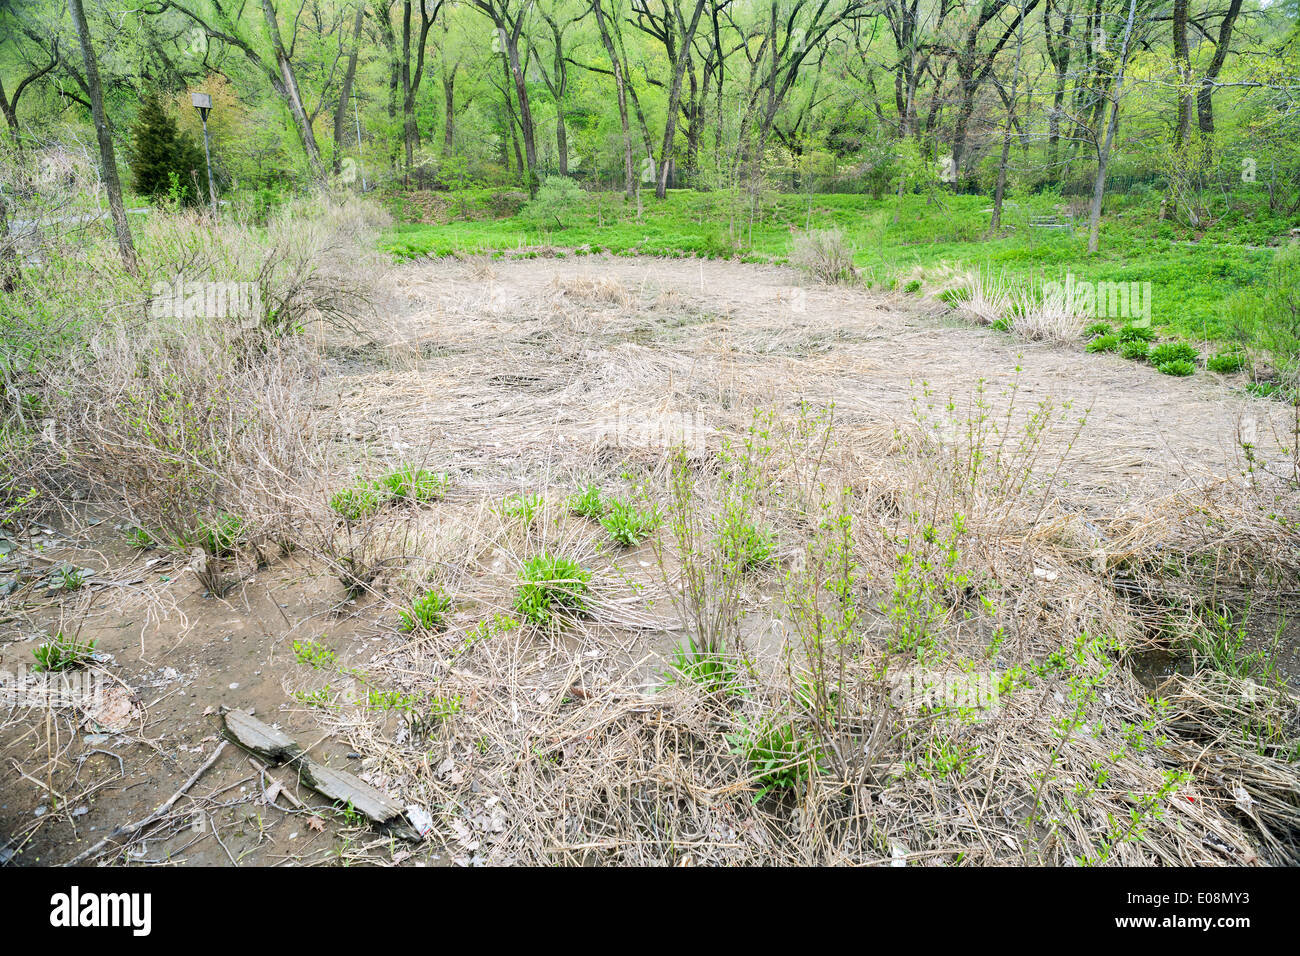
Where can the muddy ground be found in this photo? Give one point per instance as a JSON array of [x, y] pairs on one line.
[[495, 372]]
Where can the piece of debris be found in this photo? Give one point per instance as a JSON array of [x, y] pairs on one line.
[[275, 746]]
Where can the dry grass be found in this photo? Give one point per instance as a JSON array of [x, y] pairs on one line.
[[985, 529]]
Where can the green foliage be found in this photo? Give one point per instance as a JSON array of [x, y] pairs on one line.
[[1135, 350], [1176, 367], [1103, 343], [314, 654], [551, 587], [1098, 329], [428, 612], [1226, 363], [416, 484], [558, 204], [1137, 333], [1167, 352], [523, 507], [745, 545], [912, 287], [779, 755], [711, 672], [589, 503], [627, 524], [62, 653], [219, 535], [166, 164], [359, 501]]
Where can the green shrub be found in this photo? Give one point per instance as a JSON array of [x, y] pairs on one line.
[[165, 162], [1167, 352], [521, 506], [912, 287], [744, 545], [588, 503], [1179, 367], [780, 757], [416, 484], [1135, 350], [219, 535], [627, 524], [359, 501], [551, 587], [428, 612], [1098, 329], [557, 205], [1226, 363], [62, 653], [1103, 343], [1137, 333]]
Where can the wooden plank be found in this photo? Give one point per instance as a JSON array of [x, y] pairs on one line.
[[260, 738], [344, 788]]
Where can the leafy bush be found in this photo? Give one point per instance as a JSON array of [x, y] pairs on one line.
[[779, 756], [1226, 363], [62, 653], [744, 545], [1167, 352], [1179, 367], [359, 501], [428, 612], [588, 503], [557, 205], [1103, 343], [1137, 333], [1098, 329], [416, 484], [1136, 350], [220, 534], [551, 587], [627, 524]]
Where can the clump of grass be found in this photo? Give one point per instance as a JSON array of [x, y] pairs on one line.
[[550, 587], [426, 613], [824, 254], [589, 503], [912, 287], [708, 670], [70, 578], [522, 506], [359, 501], [955, 296], [1097, 330], [1103, 343], [780, 757], [1226, 363], [139, 538], [1177, 367], [1135, 350], [62, 653], [416, 484], [1167, 352], [628, 524], [1137, 333]]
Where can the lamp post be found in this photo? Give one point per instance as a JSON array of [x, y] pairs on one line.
[[203, 103]]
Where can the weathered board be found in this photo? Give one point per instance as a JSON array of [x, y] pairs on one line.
[[343, 787], [338, 785], [260, 738]]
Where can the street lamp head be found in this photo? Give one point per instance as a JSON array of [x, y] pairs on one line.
[[201, 101]]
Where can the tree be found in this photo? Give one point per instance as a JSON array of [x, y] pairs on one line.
[[164, 160], [107, 159]]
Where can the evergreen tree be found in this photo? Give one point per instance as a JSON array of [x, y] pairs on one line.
[[165, 160]]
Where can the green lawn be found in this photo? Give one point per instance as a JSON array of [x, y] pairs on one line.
[[1192, 278]]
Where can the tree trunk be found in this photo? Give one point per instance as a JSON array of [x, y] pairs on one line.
[[449, 105], [107, 159], [341, 113], [620, 84], [674, 102], [1103, 157], [9, 271], [287, 87]]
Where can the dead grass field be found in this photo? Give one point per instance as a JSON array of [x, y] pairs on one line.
[[939, 496]]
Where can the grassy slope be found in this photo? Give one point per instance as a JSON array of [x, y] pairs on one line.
[[1192, 277]]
